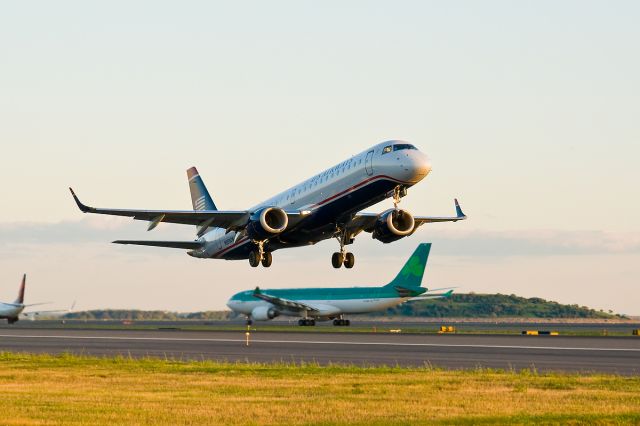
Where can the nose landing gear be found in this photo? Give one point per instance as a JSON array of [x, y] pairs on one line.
[[398, 192]]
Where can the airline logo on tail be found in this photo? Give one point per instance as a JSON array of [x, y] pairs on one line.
[[412, 272], [200, 203], [200, 197], [413, 268]]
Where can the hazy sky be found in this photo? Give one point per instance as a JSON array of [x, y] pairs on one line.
[[529, 111]]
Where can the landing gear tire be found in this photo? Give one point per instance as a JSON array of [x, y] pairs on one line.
[[343, 257], [306, 322], [267, 259], [337, 259], [341, 322], [254, 259], [349, 260]]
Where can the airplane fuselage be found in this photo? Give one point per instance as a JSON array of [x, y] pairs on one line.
[[330, 302], [10, 310], [330, 198]]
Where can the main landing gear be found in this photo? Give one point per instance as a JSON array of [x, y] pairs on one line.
[[305, 322], [256, 257], [341, 322], [343, 257]]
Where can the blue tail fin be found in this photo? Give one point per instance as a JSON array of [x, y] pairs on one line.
[[200, 197], [411, 274]]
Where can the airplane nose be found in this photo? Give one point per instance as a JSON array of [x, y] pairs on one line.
[[417, 166], [423, 164]]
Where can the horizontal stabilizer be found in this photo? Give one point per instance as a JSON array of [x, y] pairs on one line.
[[187, 245], [428, 296]]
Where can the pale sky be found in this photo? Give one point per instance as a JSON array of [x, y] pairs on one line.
[[529, 112]]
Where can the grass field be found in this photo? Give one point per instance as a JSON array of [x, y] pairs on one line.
[[43, 389]]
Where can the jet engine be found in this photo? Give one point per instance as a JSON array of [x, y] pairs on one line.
[[392, 225], [264, 313], [266, 223]]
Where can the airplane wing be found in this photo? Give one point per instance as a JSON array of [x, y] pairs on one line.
[[37, 313], [54, 311], [230, 220], [420, 220], [366, 221], [187, 245], [283, 303]]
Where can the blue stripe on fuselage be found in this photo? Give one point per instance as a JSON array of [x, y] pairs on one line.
[[321, 224]]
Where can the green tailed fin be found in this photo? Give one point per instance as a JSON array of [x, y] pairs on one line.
[[411, 273]]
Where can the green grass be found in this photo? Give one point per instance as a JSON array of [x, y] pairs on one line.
[[66, 389]]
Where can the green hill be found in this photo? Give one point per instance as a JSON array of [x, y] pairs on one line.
[[473, 305], [459, 306]]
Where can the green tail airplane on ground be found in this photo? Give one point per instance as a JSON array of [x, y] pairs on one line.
[[333, 303]]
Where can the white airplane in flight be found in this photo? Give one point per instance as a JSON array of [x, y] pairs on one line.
[[324, 206], [12, 311]]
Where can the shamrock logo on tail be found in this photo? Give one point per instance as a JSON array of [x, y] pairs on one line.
[[413, 268]]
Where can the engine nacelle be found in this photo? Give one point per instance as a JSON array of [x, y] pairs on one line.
[[266, 223], [264, 313], [392, 225]]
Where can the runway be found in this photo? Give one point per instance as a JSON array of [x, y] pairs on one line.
[[619, 355]]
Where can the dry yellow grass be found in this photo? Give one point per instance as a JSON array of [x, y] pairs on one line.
[[42, 390]]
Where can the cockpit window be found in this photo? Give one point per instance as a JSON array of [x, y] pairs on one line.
[[402, 146], [387, 149]]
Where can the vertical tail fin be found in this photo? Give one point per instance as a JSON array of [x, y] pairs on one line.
[[200, 197], [20, 298], [411, 274]]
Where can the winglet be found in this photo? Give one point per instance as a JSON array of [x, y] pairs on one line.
[[459, 212], [81, 206]]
